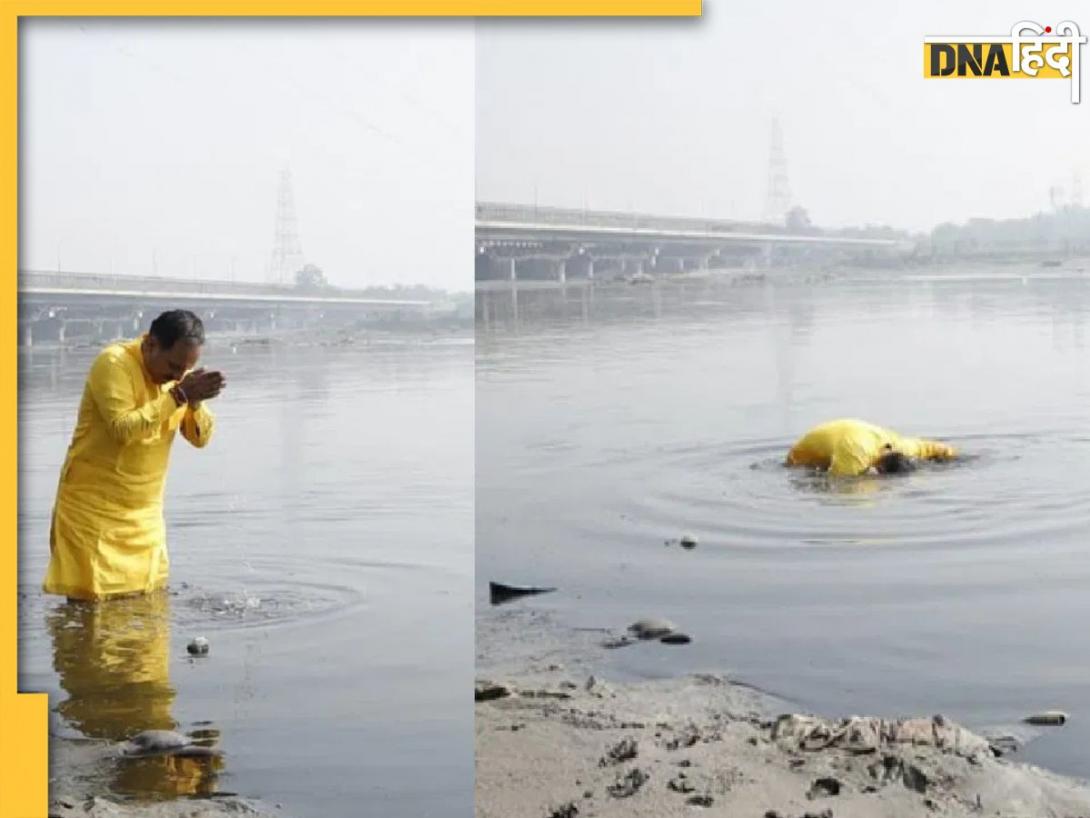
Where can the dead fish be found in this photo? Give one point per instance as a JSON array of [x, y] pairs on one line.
[[164, 742]]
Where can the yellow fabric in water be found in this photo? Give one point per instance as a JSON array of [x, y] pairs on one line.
[[108, 536], [850, 447]]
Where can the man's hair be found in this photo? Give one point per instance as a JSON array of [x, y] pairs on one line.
[[894, 463], [177, 325]]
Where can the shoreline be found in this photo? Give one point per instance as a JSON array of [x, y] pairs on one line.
[[79, 768], [556, 739]]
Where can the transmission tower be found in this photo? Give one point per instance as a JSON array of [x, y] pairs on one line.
[[287, 254], [778, 196]]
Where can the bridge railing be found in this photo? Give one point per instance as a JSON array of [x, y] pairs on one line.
[[48, 279], [500, 212]]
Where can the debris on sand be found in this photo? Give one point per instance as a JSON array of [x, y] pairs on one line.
[[628, 784], [568, 810], [868, 734], [498, 592], [624, 750], [824, 788], [486, 691]]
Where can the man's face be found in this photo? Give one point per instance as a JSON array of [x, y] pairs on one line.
[[170, 364]]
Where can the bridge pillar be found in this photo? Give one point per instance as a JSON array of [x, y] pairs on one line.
[[60, 332], [590, 269], [513, 269], [766, 255], [561, 270], [28, 334]]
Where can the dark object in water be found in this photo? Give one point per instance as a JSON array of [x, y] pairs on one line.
[[1050, 718], [676, 639], [198, 647], [498, 593], [651, 628]]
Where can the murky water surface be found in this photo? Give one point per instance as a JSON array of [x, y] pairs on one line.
[[612, 420], [323, 545]]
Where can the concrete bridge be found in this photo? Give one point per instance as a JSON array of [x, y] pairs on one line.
[[518, 242], [62, 306]]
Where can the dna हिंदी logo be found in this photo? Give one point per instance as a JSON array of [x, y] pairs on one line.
[[1030, 51]]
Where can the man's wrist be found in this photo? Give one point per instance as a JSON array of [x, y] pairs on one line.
[[179, 395]]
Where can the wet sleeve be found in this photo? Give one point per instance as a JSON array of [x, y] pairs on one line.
[[850, 459], [113, 392], [933, 450], [197, 425]]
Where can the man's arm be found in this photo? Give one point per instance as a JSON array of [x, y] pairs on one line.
[[112, 389], [198, 425], [931, 450]]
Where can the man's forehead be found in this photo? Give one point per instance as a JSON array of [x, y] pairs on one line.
[[184, 350]]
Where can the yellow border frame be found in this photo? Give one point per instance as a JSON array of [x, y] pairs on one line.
[[24, 718]]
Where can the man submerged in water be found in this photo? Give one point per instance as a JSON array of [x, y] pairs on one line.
[[849, 448]]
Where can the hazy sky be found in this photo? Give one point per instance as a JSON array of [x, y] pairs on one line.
[[673, 117], [165, 140]]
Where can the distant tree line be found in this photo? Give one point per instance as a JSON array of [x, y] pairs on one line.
[[311, 279], [1064, 231]]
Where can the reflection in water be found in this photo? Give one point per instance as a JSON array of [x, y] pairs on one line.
[[113, 660]]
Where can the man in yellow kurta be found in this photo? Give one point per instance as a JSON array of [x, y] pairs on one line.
[[108, 537], [852, 447]]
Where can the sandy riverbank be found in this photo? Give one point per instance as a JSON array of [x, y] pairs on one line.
[[559, 741]]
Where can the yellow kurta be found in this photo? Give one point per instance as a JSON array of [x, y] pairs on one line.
[[108, 535], [850, 447]]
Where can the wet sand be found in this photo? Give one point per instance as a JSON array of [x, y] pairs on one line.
[[78, 766], [556, 740]]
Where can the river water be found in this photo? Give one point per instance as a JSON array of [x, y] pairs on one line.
[[611, 420], [323, 544]]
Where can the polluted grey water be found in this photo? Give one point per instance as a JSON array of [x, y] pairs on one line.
[[611, 420], [323, 545]]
